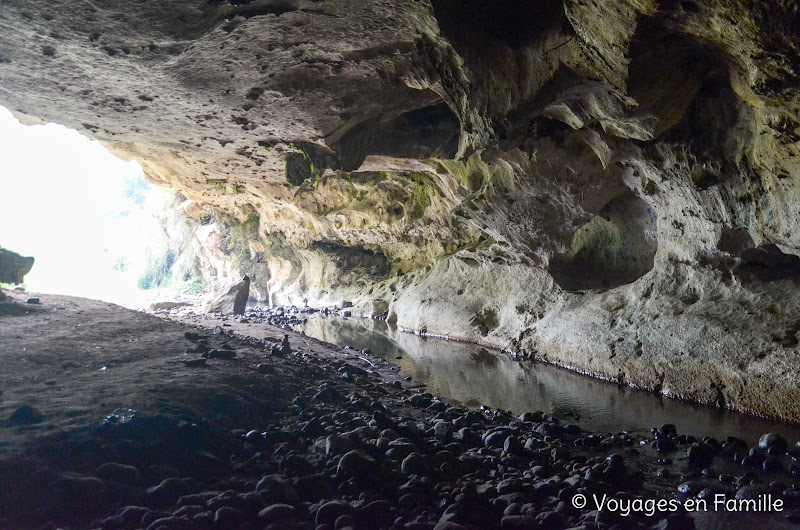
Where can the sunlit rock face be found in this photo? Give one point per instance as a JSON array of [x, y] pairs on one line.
[[610, 185]]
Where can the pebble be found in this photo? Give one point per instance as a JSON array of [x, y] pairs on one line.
[[330, 511], [276, 513], [666, 445], [167, 492], [415, 464], [773, 443], [751, 491], [229, 517], [335, 455], [121, 473], [195, 363], [355, 464], [25, 415], [699, 455]]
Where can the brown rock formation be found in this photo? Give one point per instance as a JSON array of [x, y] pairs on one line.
[[610, 185]]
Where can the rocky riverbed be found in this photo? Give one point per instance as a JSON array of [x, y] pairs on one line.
[[116, 419]]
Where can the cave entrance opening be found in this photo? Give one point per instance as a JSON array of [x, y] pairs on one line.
[[93, 224]]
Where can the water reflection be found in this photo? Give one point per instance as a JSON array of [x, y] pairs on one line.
[[472, 376]]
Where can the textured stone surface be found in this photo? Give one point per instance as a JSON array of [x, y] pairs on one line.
[[233, 301], [13, 267], [609, 185]]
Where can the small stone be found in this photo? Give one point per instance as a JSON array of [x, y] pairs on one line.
[[111, 523], [517, 522], [228, 517], [189, 510], [699, 455], [495, 439], [773, 443], [449, 525], [510, 485], [195, 363], [330, 511], [415, 464], [344, 521], [121, 473], [172, 523], [377, 513], [441, 429], [204, 519], [337, 445], [25, 415], [132, 515], [667, 430], [297, 464], [356, 464], [772, 465], [676, 521], [276, 513], [751, 492], [33, 300], [665, 445], [274, 488], [552, 521], [220, 354], [512, 445], [265, 369], [167, 492]]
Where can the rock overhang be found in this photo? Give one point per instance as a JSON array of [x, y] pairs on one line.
[[396, 153]]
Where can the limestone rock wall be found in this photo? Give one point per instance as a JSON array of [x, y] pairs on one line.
[[609, 185]]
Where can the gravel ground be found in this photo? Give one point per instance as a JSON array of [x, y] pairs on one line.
[[118, 419]]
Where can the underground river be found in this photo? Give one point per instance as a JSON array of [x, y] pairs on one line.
[[472, 376]]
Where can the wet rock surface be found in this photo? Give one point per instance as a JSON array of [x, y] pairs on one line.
[[323, 439]]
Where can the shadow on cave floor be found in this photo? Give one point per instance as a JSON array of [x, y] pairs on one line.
[[9, 308]]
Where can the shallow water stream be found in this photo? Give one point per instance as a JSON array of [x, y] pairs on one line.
[[471, 376]]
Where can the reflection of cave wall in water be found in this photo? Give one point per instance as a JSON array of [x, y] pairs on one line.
[[614, 248]]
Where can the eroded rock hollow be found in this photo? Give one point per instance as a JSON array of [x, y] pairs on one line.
[[608, 185]]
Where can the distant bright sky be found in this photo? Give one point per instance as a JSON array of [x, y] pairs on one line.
[[63, 201]]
